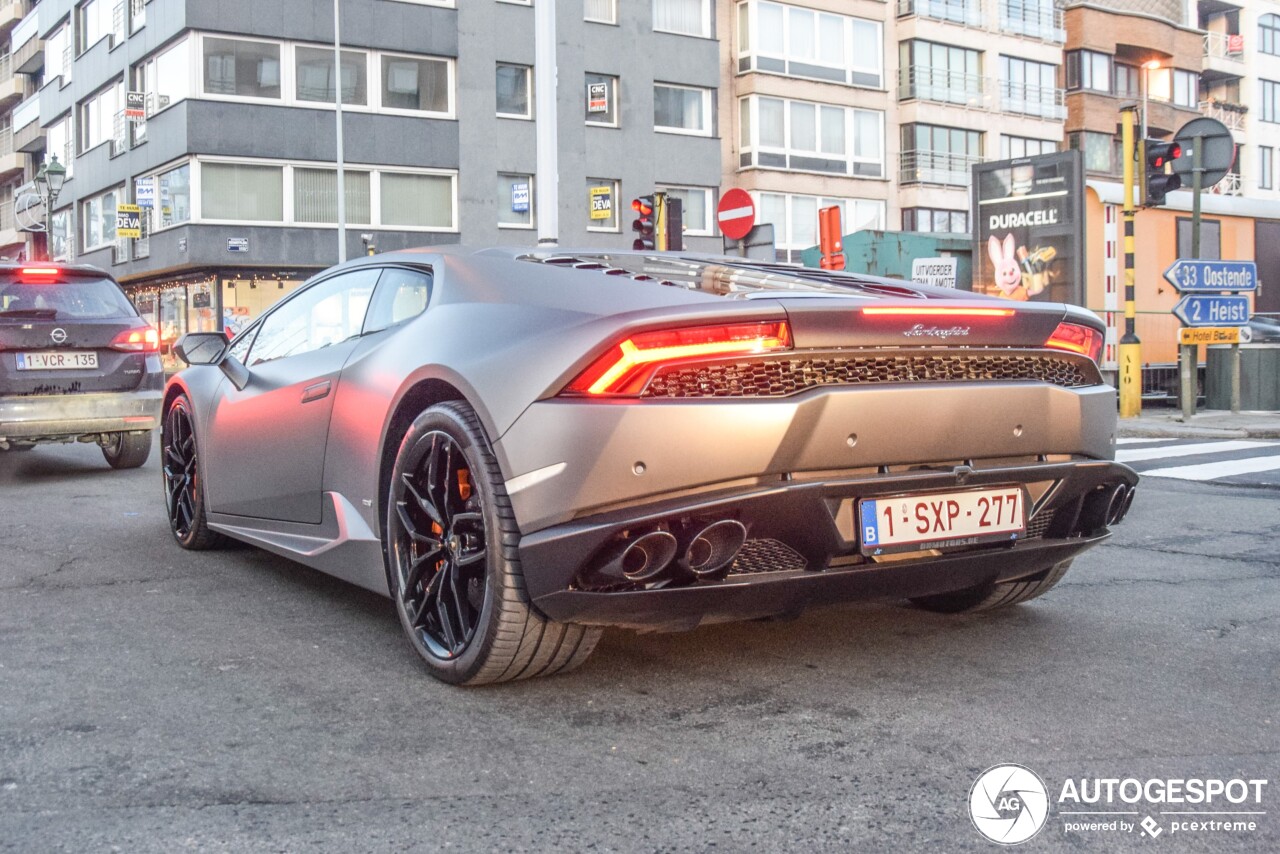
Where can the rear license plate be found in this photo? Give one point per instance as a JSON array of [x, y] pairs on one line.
[[55, 360], [942, 519]]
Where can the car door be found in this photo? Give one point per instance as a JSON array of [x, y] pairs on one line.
[[265, 443]]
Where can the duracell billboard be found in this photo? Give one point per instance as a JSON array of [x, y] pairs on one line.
[[1029, 235]]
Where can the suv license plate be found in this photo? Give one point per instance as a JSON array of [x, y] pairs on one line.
[[942, 519], [55, 360]]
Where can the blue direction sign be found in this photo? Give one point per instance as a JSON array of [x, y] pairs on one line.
[[1200, 276], [1212, 310]]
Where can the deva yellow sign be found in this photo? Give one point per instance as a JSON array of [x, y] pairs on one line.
[[128, 221], [602, 202], [1210, 335]]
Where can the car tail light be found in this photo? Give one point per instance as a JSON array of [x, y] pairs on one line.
[[1074, 338], [934, 311], [144, 340], [628, 365], [38, 274]]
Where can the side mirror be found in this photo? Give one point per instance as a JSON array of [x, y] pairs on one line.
[[201, 348]]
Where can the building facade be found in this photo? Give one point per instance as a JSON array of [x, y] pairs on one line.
[[217, 120]]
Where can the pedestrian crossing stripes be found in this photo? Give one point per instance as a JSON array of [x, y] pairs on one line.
[[1229, 461]]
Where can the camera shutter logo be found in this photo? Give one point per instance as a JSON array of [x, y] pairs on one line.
[[58, 335], [1008, 804]]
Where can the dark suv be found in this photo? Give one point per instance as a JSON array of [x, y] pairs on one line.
[[77, 363]]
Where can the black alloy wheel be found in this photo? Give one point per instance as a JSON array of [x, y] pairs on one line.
[[453, 562], [180, 465], [440, 556]]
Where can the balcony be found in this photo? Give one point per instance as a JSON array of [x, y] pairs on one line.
[[11, 14], [1231, 115], [936, 167], [1037, 19], [11, 162], [967, 12], [12, 87], [25, 49], [1044, 102], [939, 85], [27, 133], [1224, 46], [1230, 185]]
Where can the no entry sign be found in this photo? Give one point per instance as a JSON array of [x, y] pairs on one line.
[[736, 214]]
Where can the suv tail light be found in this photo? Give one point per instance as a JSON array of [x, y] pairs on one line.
[[626, 368], [1075, 338], [144, 340]]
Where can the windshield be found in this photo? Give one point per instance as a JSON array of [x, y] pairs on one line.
[[83, 299]]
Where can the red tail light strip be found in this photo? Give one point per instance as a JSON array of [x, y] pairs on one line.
[[626, 368], [934, 311]]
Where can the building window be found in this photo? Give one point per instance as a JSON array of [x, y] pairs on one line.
[[1270, 106], [316, 80], [171, 197], [1186, 88], [513, 84], [1017, 147], [1269, 34], [602, 99], [58, 138], [1099, 150], [601, 11], [315, 195], [682, 109], [803, 136], [1266, 168], [417, 84], [60, 233], [137, 15], [602, 204], [1127, 82], [936, 220], [939, 72], [1030, 88], [246, 69], [98, 117], [241, 192], [96, 20], [418, 201], [99, 217], [1087, 69], [695, 208], [933, 154], [1035, 18], [782, 39], [795, 218], [515, 200], [57, 54], [957, 11], [165, 77], [686, 17]]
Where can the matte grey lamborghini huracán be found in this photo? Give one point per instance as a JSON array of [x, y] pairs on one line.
[[521, 447]]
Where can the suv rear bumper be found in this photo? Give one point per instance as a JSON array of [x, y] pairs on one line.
[[70, 416]]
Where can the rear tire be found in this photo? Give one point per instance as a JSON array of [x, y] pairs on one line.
[[183, 479], [994, 595], [452, 563], [127, 450]]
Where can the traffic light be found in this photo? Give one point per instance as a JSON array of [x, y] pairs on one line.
[[645, 223], [673, 214], [1156, 184]]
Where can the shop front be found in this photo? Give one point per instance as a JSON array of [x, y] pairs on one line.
[[224, 299]]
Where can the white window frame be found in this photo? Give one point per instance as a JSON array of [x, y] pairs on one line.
[[286, 71], [154, 175], [116, 87], [615, 186], [612, 80], [293, 100], [753, 146], [375, 192], [707, 227], [451, 71], [748, 49], [785, 242], [527, 115], [194, 85], [707, 117], [118, 190], [293, 167], [78, 16], [65, 34], [613, 15], [706, 21], [533, 220]]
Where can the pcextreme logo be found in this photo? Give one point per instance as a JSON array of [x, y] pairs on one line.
[[1009, 804]]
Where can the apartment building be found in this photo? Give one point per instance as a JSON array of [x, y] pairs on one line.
[[218, 121], [881, 109], [20, 132]]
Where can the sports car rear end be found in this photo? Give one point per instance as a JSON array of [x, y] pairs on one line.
[[827, 438]]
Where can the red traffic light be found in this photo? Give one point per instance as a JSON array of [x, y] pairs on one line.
[[643, 206]]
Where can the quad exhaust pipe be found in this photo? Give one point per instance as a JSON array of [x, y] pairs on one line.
[[638, 559], [702, 552], [712, 549], [1121, 501]]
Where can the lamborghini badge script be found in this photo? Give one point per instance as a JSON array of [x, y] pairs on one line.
[[922, 331]]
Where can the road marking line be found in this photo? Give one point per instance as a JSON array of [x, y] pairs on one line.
[[1132, 441], [1139, 454], [1213, 471]]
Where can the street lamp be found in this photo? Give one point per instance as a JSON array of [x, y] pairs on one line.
[[1147, 68], [49, 181]]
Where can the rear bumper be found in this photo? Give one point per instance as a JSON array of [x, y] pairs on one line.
[[63, 416], [807, 550]]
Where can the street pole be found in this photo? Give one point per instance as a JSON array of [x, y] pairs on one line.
[[337, 99], [1189, 354], [1130, 346], [547, 200]]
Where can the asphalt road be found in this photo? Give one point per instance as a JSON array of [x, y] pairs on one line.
[[157, 700]]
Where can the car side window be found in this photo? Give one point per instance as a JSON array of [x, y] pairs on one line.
[[243, 342], [402, 294], [327, 313]]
